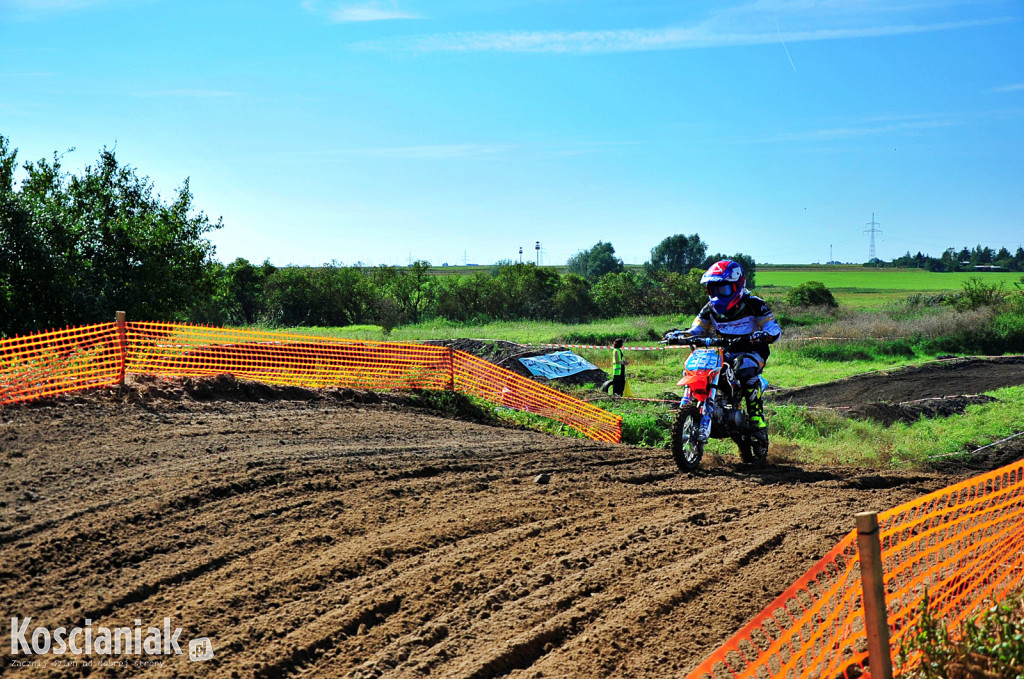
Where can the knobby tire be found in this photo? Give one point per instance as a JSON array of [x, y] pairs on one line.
[[686, 450]]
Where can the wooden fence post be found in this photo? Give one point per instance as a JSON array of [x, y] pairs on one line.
[[876, 612], [122, 343]]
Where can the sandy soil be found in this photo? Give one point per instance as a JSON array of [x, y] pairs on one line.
[[342, 535]]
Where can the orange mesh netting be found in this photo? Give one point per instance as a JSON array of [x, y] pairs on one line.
[[58, 362], [477, 377], [964, 544], [47, 364], [174, 350]]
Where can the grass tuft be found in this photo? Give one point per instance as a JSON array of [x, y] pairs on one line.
[[988, 645]]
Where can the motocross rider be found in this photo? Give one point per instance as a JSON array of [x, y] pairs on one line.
[[732, 312]]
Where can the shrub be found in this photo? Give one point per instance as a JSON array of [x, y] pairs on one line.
[[1008, 329], [646, 429], [329, 295], [978, 293], [896, 348], [988, 645], [573, 302], [811, 293], [619, 294], [1003, 333]]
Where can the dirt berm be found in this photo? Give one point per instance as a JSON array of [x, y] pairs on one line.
[[507, 354], [339, 534], [947, 377]]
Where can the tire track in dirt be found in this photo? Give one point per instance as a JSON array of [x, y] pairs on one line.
[[329, 539]]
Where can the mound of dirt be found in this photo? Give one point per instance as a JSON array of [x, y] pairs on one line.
[[890, 413], [149, 389], [936, 379], [507, 354]]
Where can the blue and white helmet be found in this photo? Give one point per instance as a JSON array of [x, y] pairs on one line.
[[725, 283]]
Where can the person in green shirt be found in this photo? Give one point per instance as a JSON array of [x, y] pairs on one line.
[[618, 369]]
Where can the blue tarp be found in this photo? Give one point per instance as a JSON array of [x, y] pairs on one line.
[[558, 364]]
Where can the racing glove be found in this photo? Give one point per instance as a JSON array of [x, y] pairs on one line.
[[760, 337]]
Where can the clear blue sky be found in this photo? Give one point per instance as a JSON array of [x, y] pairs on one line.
[[379, 131]]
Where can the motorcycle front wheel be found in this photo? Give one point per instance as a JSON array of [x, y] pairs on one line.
[[687, 449]]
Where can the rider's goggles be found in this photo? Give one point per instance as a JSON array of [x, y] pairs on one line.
[[721, 289]]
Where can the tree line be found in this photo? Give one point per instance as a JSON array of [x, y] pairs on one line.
[[74, 248], [963, 259]]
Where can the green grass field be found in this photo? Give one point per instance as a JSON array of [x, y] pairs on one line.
[[865, 288], [863, 278]]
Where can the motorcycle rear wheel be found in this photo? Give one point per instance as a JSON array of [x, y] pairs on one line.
[[687, 449]]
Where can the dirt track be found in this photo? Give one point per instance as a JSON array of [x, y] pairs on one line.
[[934, 379], [333, 538]]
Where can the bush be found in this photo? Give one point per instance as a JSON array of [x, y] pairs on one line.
[[1008, 330], [988, 645], [620, 294], [1005, 333], [646, 429], [572, 302], [327, 296], [673, 293], [978, 293], [523, 291], [811, 293], [896, 348]]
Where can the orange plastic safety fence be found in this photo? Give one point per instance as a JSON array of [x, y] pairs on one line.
[[964, 544], [58, 362], [476, 376], [177, 350]]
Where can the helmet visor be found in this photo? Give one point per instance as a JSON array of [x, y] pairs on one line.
[[721, 289]]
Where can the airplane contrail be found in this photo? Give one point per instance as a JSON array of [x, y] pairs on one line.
[[783, 41]]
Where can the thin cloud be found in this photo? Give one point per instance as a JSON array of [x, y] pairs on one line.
[[188, 94], [854, 131], [476, 150], [431, 151], [52, 5], [1016, 87], [645, 40], [29, 74], [28, 9], [340, 13]]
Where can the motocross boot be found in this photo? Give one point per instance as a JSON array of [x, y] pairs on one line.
[[755, 411]]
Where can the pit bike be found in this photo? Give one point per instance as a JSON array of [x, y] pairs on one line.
[[711, 405]]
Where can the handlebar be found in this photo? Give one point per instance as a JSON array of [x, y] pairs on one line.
[[673, 339]]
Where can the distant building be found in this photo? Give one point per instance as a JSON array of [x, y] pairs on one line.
[[987, 267]]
